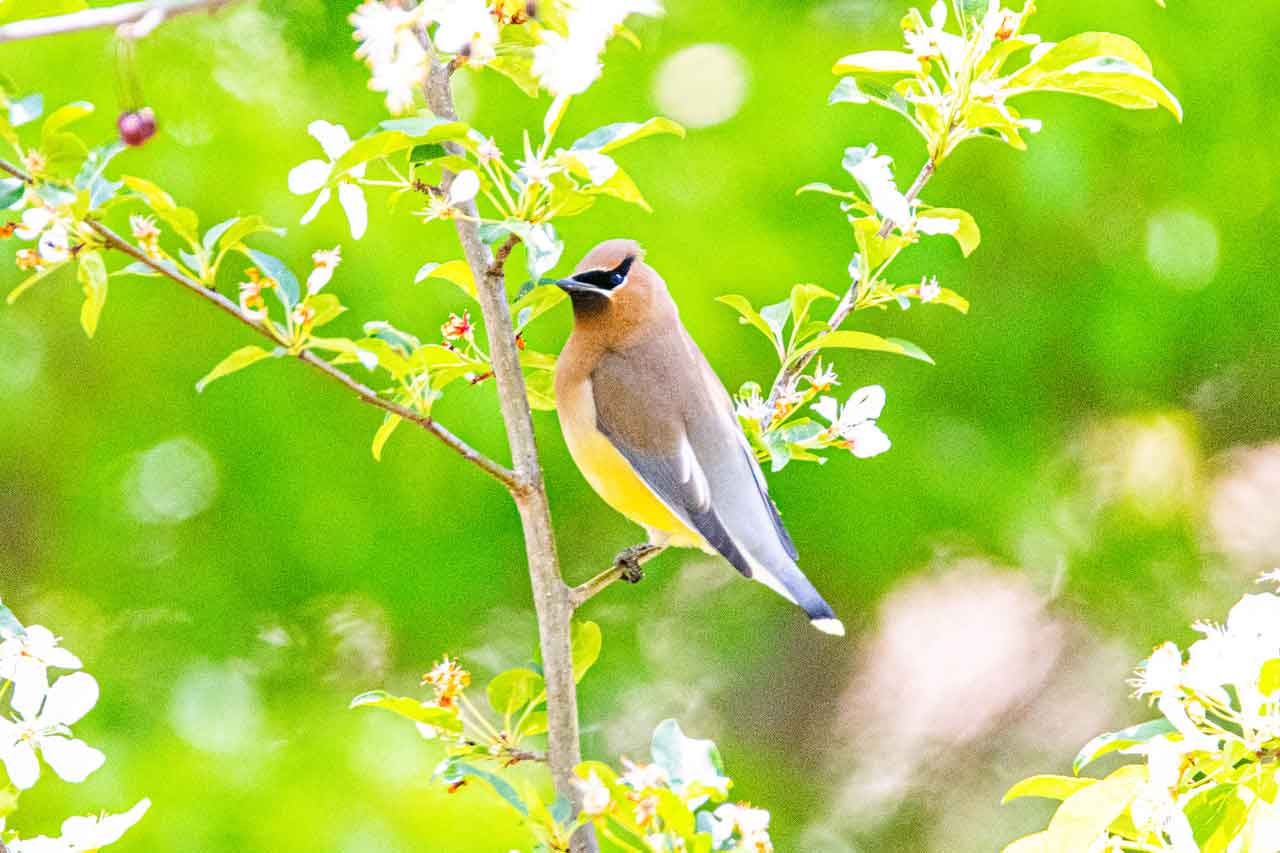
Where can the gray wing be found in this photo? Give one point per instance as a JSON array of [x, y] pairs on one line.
[[665, 411]]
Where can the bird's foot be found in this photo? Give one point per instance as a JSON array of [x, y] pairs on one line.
[[630, 561]]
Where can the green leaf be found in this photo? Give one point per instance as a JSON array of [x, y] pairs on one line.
[[1216, 815], [409, 708], [514, 689], [612, 136], [802, 298], [966, 234], [540, 388], [9, 624], [92, 273], [623, 188], [1269, 678], [535, 723], [1051, 787], [373, 147], [288, 289], [61, 117], [32, 280], [456, 272], [1111, 741], [25, 110], [1037, 842], [826, 189], [237, 230], [775, 317], [878, 62], [843, 339], [327, 307], [586, 647], [238, 360], [1087, 813], [851, 91], [749, 315], [686, 759], [11, 190], [428, 129], [183, 220], [534, 304], [499, 785], [389, 424], [1106, 66]]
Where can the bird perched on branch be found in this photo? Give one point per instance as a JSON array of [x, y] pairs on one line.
[[654, 431]]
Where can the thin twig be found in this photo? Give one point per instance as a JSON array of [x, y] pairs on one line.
[[363, 392], [789, 373], [624, 562], [155, 13]]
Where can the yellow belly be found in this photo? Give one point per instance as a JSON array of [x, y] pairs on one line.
[[613, 478]]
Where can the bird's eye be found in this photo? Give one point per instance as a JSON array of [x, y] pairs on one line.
[[617, 279]]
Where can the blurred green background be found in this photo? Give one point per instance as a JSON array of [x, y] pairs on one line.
[[1093, 462]]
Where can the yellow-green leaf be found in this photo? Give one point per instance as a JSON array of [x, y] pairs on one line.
[[457, 272], [613, 136], [389, 424], [586, 647], [1051, 787], [878, 62], [32, 280], [802, 298], [966, 234], [93, 280], [1037, 842], [1087, 813], [844, 339], [238, 360], [750, 316], [419, 712]]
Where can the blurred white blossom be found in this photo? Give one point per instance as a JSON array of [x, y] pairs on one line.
[[84, 834]]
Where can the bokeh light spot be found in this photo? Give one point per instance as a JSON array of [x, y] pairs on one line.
[[21, 355], [1182, 248], [702, 85], [216, 708], [170, 483]]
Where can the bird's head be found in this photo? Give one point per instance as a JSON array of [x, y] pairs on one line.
[[613, 281]]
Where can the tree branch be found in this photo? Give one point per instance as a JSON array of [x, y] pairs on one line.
[[789, 374], [628, 561], [363, 392], [551, 597], [149, 14]]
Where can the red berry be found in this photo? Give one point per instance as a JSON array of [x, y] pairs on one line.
[[137, 126]]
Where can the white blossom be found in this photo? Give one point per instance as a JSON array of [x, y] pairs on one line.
[[25, 660], [465, 25], [313, 175], [874, 174], [325, 261], [85, 834], [50, 232], [48, 733], [595, 795], [400, 79], [929, 289], [569, 65], [855, 421]]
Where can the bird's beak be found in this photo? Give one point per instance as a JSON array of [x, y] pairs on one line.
[[572, 286]]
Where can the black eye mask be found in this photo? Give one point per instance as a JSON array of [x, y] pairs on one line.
[[607, 279]]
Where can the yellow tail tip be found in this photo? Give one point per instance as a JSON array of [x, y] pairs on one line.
[[834, 627]]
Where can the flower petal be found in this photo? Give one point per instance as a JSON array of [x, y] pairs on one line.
[[90, 833], [351, 197], [464, 187], [308, 177], [30, 684], [828, 407], [865, 404], [321, 201], [70, 758], [333, 138], [21, 765], [70, 698], [867, 440]]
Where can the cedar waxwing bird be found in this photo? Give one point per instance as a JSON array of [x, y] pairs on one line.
[[654, 431]]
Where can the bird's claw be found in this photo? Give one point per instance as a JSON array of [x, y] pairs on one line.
[[632, 571]]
